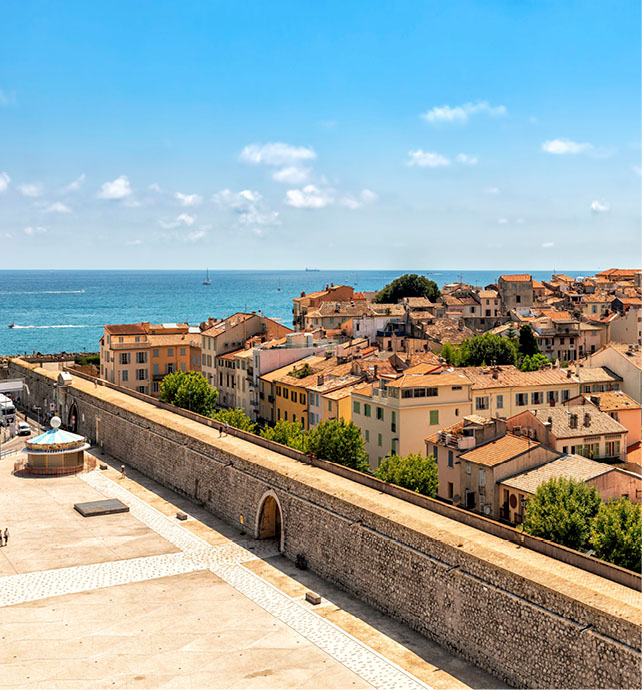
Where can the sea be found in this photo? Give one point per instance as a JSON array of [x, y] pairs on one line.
[[55, 311]]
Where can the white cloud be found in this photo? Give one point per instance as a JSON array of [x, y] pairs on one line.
[[461, 113], [564, 146], [30, 190], [366, 196], [35, 230], [188, 199], [118, 189], [548, 245], [493, 191], [292, 175], [154, 187], [57, 207], [249, 206], [466, 159], [237, 201], [76, 184], [276, 153], [4, 182], [425, 159], [599, 207], [196, 235], [502, 221], [255, 217], [183, 219], [134, 243], [309, 197]]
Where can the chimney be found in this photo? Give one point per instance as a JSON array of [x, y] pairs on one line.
[[320, 378], [568, 373], [587, 419], [495, 373], [376, 370], [573, 421]]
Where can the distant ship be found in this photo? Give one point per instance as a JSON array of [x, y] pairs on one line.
[[313, 269], [207, 280], [12, 325]]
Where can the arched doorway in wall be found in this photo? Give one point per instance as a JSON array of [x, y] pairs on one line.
[[270, 519], [72, 419]]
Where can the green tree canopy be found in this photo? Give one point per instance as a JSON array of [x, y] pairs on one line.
[[189, 390], [485, 349], [527, 341], [562, 510], [448, 353], [288, 433], [414, 472], [302, 372], [616, 534], [408, 285], [339, 441], [236, 418], [533, 363]]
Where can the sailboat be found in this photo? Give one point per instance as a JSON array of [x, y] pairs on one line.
[[207, 280]]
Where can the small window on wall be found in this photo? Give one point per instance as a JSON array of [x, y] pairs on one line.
[[434, 417]]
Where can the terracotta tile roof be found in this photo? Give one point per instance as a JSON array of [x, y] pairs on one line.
[[596, 375], [488, 294], [521, 277], [500, 450], [509, 376], [537, 284], [176, 339], [417, 302], [573, 467], [419, 380], [126, 329], [623, 349], [366, 390], [599, 422], [220, 327], [446, 330], [612, 401]]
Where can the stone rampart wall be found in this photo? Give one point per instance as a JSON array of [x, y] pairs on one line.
[[520, 629]]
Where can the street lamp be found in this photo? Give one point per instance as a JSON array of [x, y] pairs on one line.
[[38, 410]]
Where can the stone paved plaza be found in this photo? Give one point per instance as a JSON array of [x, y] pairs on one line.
[[141, 600]]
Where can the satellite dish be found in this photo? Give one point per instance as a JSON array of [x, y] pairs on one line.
[[55, 422], [456, 498], [486, 510]]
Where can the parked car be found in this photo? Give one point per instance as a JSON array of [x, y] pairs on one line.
[[24, 429]]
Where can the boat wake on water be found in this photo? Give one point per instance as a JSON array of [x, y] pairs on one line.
[[43, 292], [65, 325]]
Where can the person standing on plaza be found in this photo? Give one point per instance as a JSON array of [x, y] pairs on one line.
[[6, 536]]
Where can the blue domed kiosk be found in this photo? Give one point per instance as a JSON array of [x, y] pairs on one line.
[[55, 452]]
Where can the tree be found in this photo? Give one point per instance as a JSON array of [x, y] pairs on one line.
[[511, 334], [448, 353], [615, 534], [486, 349], [562, 510], [302, 372], [236, 418], [339, 441], [527, 341], [288, 433], [189, 390], [414, 472], [408, 285], [533, 363]]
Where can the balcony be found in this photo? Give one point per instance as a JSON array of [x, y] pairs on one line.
[[456, 441], [158, 377]]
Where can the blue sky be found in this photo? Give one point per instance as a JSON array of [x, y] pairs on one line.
[[470, 135]]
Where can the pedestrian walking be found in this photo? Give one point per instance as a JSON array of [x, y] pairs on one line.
[[227, 428], [6, 536], [122, 471]]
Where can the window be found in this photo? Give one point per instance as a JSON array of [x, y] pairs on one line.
[[278, 390], [451, 459], [155, 387], [367, 435], [434, 417], [155, 369], [500, 402], [393, 423], [482, 477], [450, 489], [155, 353], [612, 449], [278, 415], [356, 407], [141, 357], [566, 395], [587, 389], [124, 375], [285, 415], [521, 399], [124, 357], [553, 396], [170, 351], [518, 299], [294, 396], [170, 368], [481, 403], [435, 452], [379, 439], [456, 388], [285, 394], [141, 374], [537, 398], [302, 398], [140, 389], [468, 470], [137, 340], [432, 392], [366, 409], [380, 413], [183, 367]]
